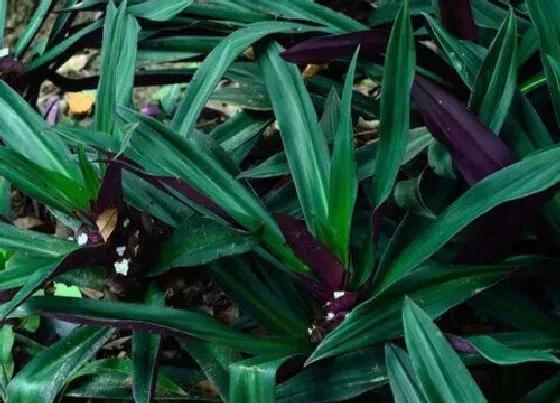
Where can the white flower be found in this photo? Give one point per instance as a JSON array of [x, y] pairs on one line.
[[82, 239], [330, 316], [126, 222], [121, 267], [121, 250], [338, 294]]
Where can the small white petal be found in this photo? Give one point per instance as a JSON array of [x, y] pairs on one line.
[[82, 239], [126, 222], [309, 330], [338, 294], [121, 250], [121, 267], [330, 316]]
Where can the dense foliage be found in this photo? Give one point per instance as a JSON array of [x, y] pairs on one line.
[[281, 253]]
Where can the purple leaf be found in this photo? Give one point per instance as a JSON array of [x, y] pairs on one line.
[[325, 48], [325, 265], [110, 192], [152, 110], [460, 344], [477, 152], [10, 68], [457, 18], [52, 110]]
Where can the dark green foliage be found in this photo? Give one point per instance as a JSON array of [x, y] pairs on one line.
[[301, 247]]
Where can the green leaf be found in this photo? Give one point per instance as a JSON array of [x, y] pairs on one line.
[[158, 10], [344, 173], [161, 320], [237, 132], [552, 67], [145, 354], [403, 380], [33, 27], [305, 145], [399, 70], [306, 11], [3, 15], [546, 392], [444, 378], [214, 360], [217, 62], [546, 17], [32, 284], [42, 378], [61, 47], [51, 188], [25, 131], [146, 197], [7, 338], [254, 380], [465, 57], [331, 114], [379, 318], [33, 242], [115, 367], [337, 379], [90, 175], [254, 298], [200, 241], [191, 163], [118, 58], [496, 82], [500, 354], [532, 175]]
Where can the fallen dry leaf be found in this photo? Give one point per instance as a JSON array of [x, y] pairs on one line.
[[74, 64], [107, 222], [27, 223], [80, 103], [312, 69]]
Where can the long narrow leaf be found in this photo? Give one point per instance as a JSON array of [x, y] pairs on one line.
[[403, 380], [145, 355], [215, 65], [176, 322], [379, 318], [33, 27], [254, 380], [442, 375], [533, 175], [496, 82], [45, 375], [546, 17], [395, 103], [306, 147], [344, 173], [118, 57]]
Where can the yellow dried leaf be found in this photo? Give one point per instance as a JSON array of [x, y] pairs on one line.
[[107, 222], [312, 69], [80, 103]]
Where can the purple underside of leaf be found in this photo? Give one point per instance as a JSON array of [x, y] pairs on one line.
[[161, 183], [326, 48], [325, 265], [110, 192], [477, 152], [457, 18], [460, 344]]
